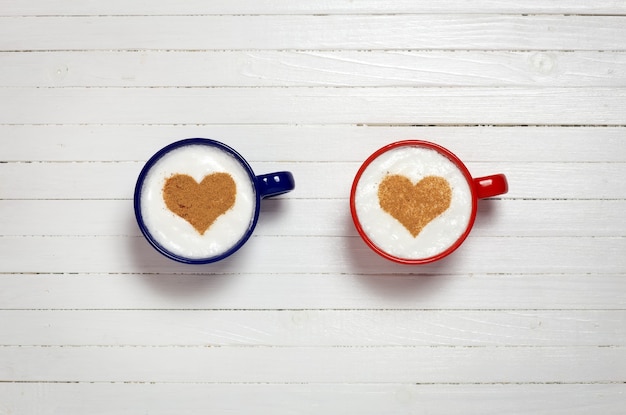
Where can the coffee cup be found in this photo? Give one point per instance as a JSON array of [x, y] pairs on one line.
[[197, 200], [415, 202]]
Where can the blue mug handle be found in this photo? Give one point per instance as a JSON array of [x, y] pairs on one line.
[[274, 184]]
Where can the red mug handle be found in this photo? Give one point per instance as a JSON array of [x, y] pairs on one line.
[[490, 186]]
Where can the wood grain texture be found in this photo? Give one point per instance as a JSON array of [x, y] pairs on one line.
[[319, 32], [314, 68], [371, 106], [214, 289], [296, 328], [319, 143], [171, 7], [335, 364], [307, 398], [526, 317]]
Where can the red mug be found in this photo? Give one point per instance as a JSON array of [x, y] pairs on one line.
[[415, 202]]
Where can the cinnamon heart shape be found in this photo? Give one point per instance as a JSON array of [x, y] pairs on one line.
[[202, 203], [414, 206]]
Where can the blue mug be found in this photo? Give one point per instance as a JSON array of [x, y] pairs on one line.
[[197, 200]]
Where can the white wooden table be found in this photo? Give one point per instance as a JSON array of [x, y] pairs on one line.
[[527, 317]]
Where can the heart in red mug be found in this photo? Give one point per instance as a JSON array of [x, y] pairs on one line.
[[414, 205]]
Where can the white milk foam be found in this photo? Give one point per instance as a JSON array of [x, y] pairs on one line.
[[389, 234], [176, 234]]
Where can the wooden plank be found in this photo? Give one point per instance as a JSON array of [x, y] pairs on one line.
[[313, 364], [172, 7], [407, 289], [321, 32], [314, 68], [117, 180], [313, 255], [495, 218], [373, 106], [313, 399], [292, 328], [322, 143]]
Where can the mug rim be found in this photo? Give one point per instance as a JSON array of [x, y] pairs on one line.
[[441, 150], [139, 186]]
